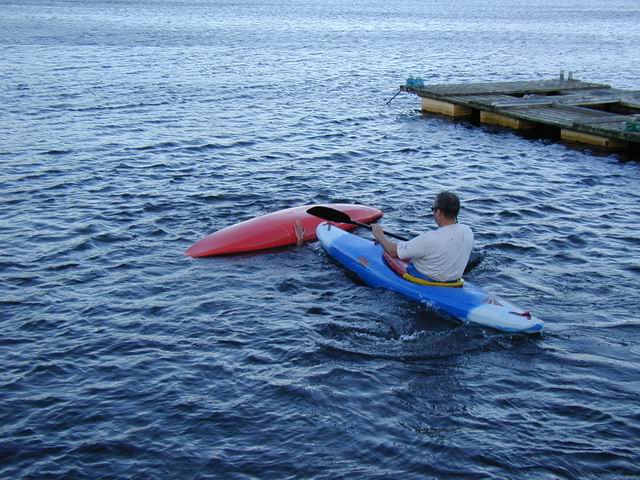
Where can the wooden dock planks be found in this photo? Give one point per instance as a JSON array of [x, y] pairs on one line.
[[586, 112], [517, 88]]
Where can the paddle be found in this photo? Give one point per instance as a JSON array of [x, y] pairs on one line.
[[333, 215]]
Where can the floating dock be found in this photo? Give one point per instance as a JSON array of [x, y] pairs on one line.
[[588, 113]]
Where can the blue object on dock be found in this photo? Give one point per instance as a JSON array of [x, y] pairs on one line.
[[632, 126], [415, 82]]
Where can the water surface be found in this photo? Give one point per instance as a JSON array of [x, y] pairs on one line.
[[132, 129]]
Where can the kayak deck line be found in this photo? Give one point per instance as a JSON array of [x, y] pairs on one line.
[[583, 112]]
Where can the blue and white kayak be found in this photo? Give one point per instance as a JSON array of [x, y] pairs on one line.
[[468, 303]]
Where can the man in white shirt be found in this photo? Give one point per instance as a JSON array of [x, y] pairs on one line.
[[441, 254]]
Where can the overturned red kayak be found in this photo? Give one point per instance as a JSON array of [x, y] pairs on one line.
[[274, 230]]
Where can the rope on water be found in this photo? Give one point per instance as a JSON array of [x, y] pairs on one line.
[[397, 93]]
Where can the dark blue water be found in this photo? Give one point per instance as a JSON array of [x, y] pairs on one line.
[[129, 130]]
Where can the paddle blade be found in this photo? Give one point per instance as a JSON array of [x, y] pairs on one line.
[[474, 260], [330, 215]]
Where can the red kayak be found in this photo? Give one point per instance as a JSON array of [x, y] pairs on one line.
[[274, 230]]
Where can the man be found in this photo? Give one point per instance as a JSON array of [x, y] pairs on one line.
[[441, 254]]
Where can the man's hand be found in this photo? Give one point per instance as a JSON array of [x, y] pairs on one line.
[[390, 247], [378, 233]]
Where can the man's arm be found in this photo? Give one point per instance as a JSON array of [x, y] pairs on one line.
[[390, 247]]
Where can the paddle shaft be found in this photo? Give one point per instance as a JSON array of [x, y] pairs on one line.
[[388, 234], [333, 215]]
